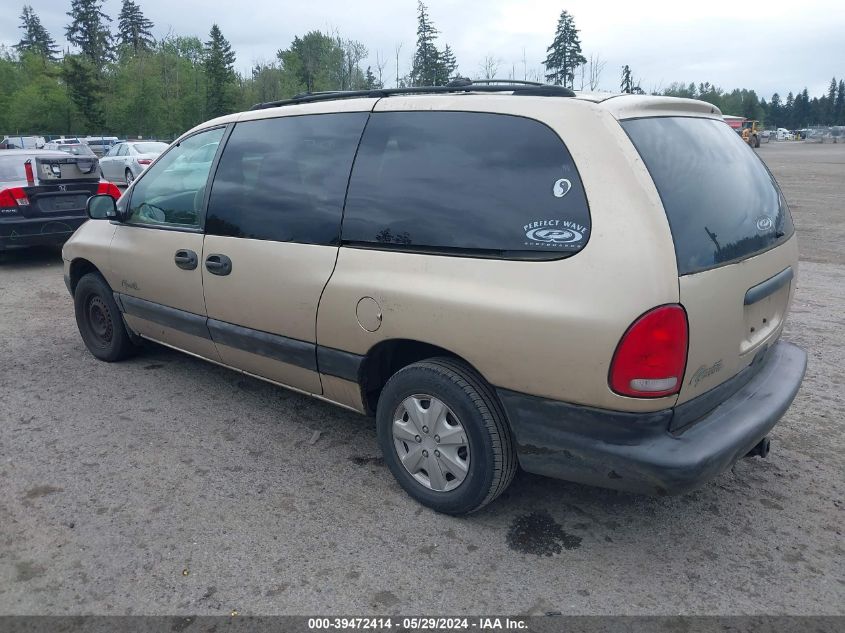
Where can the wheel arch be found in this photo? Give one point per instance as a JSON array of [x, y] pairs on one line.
[[387, 357], [80, 267]]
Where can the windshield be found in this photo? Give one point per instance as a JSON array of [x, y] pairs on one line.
[[722, 203], [149, 148]]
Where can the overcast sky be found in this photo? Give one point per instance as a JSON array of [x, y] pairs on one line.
[[764, 45]]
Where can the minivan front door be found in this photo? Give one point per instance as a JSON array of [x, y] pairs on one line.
[[272, 236], [156, 254]]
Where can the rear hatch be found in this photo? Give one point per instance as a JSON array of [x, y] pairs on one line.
[[61, 187], [734, 244]]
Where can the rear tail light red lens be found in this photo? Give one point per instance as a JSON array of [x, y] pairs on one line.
[[651, 357], [109, 189], [144, 161], [13, 197], [30, 177]]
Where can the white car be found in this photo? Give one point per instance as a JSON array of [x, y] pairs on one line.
[[783, 134], [125, 161], [100, 144]]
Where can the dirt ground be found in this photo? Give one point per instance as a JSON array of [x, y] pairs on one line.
[[166, 485]]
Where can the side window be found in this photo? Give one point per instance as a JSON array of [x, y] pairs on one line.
[[121, 150], [171, 191], [284, 179], [470, 183]]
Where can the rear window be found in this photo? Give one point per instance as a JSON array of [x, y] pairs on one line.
[[722, 203], [465, 183], [150, 148], [77, 150]]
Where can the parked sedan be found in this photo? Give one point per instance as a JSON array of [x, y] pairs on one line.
[[43, 195], [125, 161]]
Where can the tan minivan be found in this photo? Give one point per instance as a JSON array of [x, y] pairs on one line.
[[592, 287]]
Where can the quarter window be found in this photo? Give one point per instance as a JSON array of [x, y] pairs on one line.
[[171, 192], [284, 179], [465, 183]]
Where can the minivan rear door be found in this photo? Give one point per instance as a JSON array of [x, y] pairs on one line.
[[734, 242]]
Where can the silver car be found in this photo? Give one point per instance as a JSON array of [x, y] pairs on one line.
[[125, 161]]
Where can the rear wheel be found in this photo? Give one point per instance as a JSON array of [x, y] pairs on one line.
[[444, 436], [129, 177], [99, 320]]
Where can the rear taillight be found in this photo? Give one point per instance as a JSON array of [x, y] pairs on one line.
[[109, 189], [30, 177], [144, 161], [651, 357], [13, 197]]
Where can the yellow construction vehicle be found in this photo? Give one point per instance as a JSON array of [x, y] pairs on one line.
[[751, 132]]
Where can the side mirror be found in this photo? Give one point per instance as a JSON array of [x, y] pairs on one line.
[[102, 207]]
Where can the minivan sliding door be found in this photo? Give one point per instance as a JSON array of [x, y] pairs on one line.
[[272, 234]]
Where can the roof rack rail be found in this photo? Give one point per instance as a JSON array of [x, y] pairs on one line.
[[457, 85], [515, 82]]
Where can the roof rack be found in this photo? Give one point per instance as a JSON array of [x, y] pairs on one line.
[[457, 85]]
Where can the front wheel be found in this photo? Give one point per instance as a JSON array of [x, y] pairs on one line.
[[444, 436], [99, 320]]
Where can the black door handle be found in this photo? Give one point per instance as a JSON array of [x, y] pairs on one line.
[[185, 259], [218, 264]]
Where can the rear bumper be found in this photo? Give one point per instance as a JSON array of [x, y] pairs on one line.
[[23, 232], [636, 451]]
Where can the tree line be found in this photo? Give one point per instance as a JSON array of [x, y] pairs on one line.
[[119, 79]]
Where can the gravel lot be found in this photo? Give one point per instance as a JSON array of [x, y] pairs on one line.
[[166, 485]]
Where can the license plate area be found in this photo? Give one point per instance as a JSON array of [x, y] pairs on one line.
[[59, 203], [762, 318]]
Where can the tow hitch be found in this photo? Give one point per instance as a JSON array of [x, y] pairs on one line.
[[761, 449]]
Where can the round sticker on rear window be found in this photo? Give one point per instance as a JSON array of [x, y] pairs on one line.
[[555, 234], [764, 223], [561, 187]]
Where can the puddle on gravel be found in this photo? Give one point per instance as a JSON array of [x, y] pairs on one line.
[[539, 534]]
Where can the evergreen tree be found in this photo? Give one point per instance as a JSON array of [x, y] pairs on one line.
[[775, 111], [82, 78], [89, 31], [564, 54], [35, 38], [219, 63], [802, 109], [448, 64], [789, 111], [830, 114], [133, 28], [627, 84], [427, 67], [839, 105]]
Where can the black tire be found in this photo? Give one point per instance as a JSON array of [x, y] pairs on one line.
[[757, 142], [492, 462], [99, 320]]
